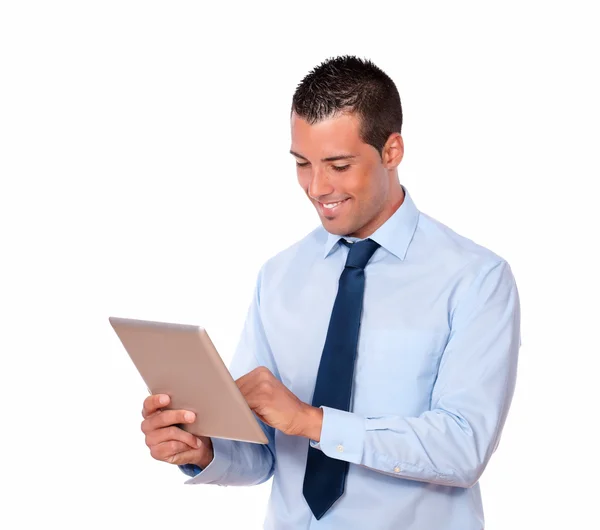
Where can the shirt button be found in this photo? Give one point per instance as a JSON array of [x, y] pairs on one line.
[[396, 469], [340, 448]]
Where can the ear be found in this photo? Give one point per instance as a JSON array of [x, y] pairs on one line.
[[393, 151]]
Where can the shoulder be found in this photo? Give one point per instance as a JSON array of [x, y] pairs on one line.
[[446, 240], [468, 272], [457, 255], [302, 251]]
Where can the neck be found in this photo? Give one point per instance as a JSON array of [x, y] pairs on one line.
[[393, 203]]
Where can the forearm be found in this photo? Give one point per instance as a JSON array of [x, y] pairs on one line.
[[235, 464], [433, 447]]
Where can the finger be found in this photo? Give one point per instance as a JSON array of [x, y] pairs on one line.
[[248, 382], [166, 451], [176, 454], [258, 388], [167, 418], [153, 403], [184, 457], [258, 374], [172, 433], [242, 381]]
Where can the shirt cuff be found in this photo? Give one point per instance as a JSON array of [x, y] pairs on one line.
[[342, 435], [315, 444], [218, 468]]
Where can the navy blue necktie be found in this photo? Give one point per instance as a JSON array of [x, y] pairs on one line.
[[325, 477]]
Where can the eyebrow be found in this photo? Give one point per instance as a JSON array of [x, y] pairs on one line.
[[328, 159]]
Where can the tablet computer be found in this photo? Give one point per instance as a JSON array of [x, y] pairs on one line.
[[181, 361]]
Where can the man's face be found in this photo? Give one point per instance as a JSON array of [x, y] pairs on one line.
[[353, 195]]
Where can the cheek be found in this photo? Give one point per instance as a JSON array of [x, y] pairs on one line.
[[364, 188], [370, 194], [378, 185], [302, 180]]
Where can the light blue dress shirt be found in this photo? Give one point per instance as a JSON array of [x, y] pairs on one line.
[[434, 377]]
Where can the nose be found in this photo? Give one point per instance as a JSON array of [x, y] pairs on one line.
[[319, 185]]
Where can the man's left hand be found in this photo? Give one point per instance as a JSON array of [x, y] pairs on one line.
[[277, 406]]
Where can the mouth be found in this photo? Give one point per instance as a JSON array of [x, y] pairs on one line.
[[331, 209]]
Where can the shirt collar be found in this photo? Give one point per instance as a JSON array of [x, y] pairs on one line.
[[394, 235]]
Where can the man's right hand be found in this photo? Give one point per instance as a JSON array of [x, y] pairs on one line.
[[168, 442]]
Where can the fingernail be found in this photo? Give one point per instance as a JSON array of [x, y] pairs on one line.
[[199, 442], [163, 400], [189, 416]]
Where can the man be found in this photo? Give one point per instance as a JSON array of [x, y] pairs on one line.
[[379, 352]]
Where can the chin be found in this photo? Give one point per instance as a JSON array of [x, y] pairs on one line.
[[334, 226]]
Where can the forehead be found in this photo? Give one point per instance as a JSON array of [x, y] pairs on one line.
[[336, 133]]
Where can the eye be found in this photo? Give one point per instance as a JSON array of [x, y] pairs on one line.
[[336, 168]]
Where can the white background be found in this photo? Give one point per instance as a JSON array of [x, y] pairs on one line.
[[146, 174]]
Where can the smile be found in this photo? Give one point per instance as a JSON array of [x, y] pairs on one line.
[[331, 206]]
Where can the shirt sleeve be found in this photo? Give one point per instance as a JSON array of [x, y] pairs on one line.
[[243, 463], [451, 443]]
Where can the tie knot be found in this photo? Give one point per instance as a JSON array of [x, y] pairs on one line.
[[360, 253]]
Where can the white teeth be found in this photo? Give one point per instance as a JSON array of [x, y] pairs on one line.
[[332, 205]]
